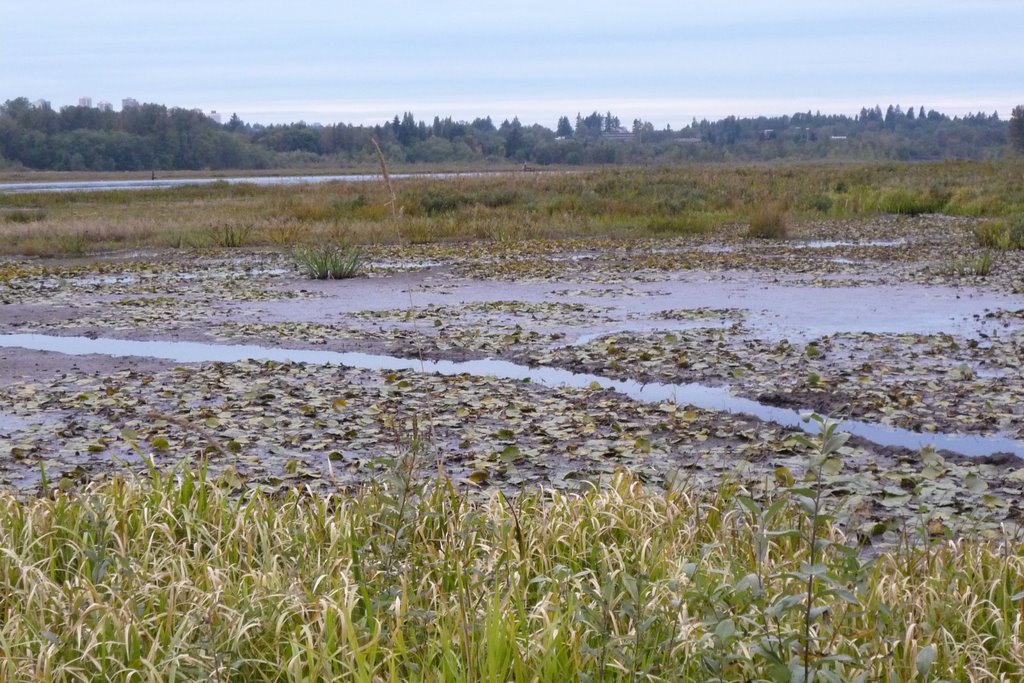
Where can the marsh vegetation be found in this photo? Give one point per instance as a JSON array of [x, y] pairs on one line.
[[293, 520], [625, 202]]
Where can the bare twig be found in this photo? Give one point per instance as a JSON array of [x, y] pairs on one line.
[[392, 201]]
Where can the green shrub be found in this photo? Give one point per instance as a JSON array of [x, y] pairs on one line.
[[441, 201]]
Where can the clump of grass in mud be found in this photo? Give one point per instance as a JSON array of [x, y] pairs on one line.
[[1001, 234], [72, 244], [181, 576], [973, 266], [230, 235], [284, 234], [330, 261], [910, 201], [768, 223]]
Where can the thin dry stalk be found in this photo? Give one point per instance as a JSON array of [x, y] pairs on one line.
[[392, 201]]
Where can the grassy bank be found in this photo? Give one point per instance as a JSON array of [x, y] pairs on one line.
[[641, 202], [176, 577]]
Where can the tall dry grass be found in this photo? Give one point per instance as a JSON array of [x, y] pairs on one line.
[[658, 201]]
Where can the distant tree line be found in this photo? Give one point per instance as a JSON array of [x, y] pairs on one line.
[[153, 136]]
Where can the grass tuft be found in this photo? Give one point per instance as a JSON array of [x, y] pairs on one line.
[[330, 261], [1002, 234], [768, 223], [230, 235], [976, 266], [911, 201]]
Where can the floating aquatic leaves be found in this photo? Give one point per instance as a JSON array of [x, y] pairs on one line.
[[701, 314], [435, 340], [918, 382], [285, 424]]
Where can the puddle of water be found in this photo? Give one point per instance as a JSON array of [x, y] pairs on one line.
[[701, 396], [102, 280], [828, 244], [573, 258], [11, 423]]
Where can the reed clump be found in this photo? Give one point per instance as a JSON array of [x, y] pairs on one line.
[[1001, 234], [330, 261], [768, 223]]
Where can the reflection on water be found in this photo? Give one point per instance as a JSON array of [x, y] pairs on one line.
[[698, 395]]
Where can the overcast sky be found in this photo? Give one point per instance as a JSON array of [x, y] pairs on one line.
[[663, 61]]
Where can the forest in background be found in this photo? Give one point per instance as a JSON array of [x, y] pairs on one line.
[[154, 136]]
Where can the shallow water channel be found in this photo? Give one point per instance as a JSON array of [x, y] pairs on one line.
[[698, 395], [164, 183]]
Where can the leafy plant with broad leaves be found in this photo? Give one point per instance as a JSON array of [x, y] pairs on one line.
[[803, 595]]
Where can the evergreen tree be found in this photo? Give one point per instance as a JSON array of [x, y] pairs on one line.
[[1016, 132], [514, 138]]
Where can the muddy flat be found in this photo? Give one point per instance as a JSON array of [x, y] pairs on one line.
[[549, 363]]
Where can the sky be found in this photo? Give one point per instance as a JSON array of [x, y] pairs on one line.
[[667, 62]]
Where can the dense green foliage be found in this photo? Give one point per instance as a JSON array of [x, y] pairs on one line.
[[152, 136]]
